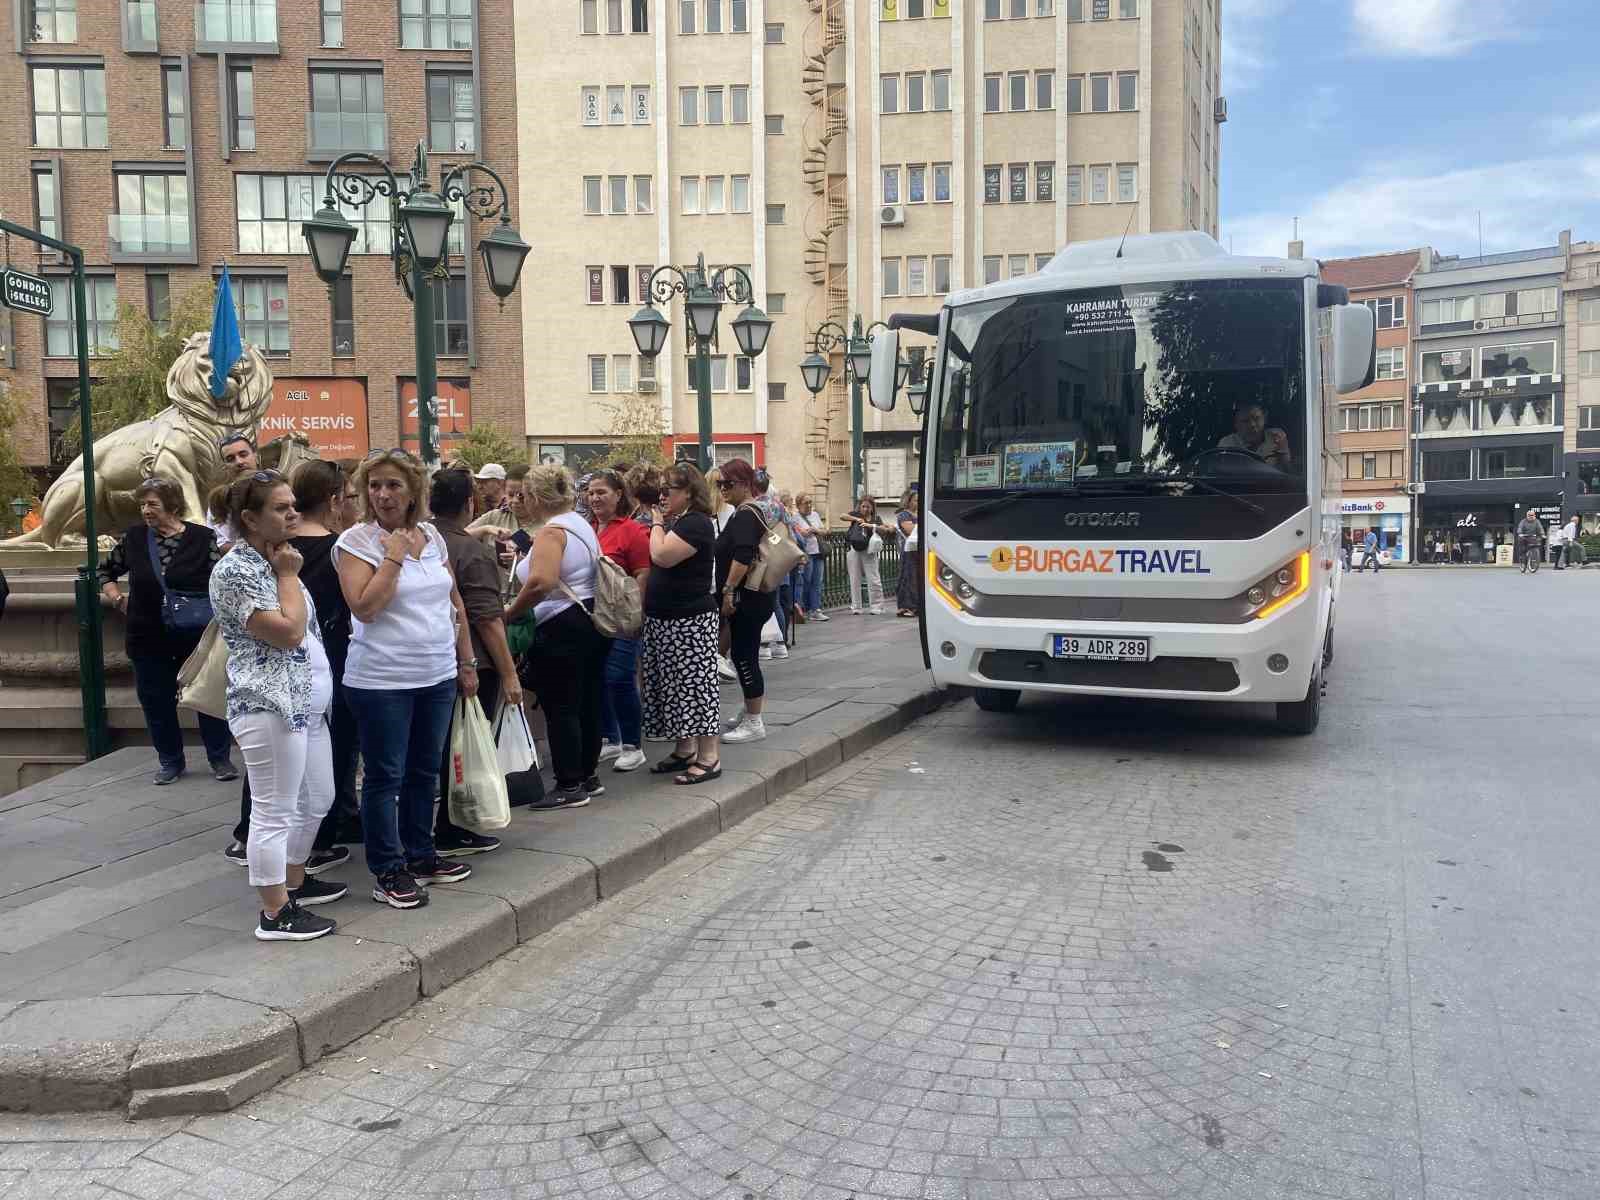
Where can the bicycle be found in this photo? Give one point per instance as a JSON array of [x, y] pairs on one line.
[[1530, 558]]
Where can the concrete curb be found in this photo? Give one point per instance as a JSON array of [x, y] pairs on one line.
[[243, 1015]]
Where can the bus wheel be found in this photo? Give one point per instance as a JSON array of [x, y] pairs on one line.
[[996, 700], [1300, 717]]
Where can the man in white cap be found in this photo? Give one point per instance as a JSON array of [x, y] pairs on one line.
[[491, 479]]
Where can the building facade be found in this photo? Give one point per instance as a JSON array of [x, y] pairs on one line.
[[1582, 369], [1490, 403], [1373, 422], [859, 157], [170, 139]]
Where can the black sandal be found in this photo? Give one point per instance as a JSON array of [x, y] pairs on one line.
[[707, 773], [672, 763]]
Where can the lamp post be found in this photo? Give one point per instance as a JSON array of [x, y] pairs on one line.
[[20, 507], [420, 219], [816, 367], [703, 297]]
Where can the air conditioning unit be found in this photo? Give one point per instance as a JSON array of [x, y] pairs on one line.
[[1480, 325], [892, 214], [647, 385], [1219, 109]]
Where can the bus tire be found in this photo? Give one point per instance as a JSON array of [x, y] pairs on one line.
[[996, 700], [1300, 717]]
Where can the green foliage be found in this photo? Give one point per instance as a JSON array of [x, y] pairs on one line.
[[130, 384], [634, 431], [486, 444], [15, 479]]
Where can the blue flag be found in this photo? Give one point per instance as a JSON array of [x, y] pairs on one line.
[[226, 348]]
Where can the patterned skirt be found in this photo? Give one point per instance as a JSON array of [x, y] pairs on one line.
[[678, 666]]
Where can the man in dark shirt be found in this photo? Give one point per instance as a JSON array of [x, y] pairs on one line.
[[478, 581]]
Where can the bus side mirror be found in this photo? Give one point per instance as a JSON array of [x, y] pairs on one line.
[[1355, 347], [882, 378]]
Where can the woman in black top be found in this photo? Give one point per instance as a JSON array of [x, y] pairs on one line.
[[745, 611], [318, 492], [184, 555], [678, 657]]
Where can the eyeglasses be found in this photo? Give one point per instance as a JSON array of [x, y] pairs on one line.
[[390, 453], [268, 476], [724, 486], [233, 436]]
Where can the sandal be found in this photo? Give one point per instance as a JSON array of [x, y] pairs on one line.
[[672, 763], [706, 773]]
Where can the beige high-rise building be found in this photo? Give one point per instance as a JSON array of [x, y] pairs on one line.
[[857, 157]]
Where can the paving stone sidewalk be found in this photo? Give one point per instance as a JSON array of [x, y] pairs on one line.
[[128, 977]]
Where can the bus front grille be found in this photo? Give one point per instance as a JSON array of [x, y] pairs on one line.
[[1161, 674]]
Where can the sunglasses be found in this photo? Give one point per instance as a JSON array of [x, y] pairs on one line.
[[154, 481], [724, 486], [391, 452], [266, 476], [229, 439]]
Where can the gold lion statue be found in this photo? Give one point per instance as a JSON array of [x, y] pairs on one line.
[[178, 443]]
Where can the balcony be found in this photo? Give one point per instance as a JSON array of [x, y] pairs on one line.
[[236, 27], [150, 238], [140, 27], [330, 134]]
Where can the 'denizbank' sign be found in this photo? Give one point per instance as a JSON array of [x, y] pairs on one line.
[[1377, 506]]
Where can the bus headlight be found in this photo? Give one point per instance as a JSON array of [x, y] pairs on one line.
[[950, 587], [1283, 586]]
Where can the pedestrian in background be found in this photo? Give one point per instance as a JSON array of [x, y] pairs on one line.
[[410, 653], [811, 528], [280, 687], [625, 542], [238, 452], [771, 509], [644, 486], [477, 575], [566, 665], [908, 593], [164, 554], [1369, 552], [864, 534], [1558, 543], [679, 661], [743, 611], [1569, 539]]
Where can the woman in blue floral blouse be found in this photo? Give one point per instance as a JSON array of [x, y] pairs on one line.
[[280, 687]]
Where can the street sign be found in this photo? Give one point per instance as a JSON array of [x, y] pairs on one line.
[[25, 293]]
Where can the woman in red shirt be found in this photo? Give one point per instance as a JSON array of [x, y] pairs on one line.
[[625, 542]]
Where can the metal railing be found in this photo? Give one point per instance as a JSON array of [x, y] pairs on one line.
[[836, 578], [235, 24], [330, 134]]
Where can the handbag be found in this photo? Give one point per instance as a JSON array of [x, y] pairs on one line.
[[858, 537], [203, 678], [477, 787], [181, 612], [618, 608], [514, 741], [777, 554]]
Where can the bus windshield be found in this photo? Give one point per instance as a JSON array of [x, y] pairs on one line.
[[1150, 387]]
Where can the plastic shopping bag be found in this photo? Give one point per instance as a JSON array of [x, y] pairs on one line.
[[513, 741], [477, 786], [771, 634]]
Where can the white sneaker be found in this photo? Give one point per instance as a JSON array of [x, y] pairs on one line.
[[725, 668], [751, 729], [855, 612], [766, 653], [609, 750], [729, 724], [780, 651], [631, 759], [819, 615], [877, 610]]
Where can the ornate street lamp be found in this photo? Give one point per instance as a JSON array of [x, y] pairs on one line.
[[815, 370]]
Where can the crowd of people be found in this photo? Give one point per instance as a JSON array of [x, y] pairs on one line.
[[358, 601]]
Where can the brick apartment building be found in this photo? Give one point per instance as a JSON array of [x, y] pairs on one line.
[[169, 139], [1372, 422]]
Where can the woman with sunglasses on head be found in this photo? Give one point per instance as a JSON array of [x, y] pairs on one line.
[[410, 654], [280, 687], [165, 554], [744, 611], [682, 700]]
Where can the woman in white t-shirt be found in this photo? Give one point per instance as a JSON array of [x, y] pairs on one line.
[[566, 664], [410, 652]]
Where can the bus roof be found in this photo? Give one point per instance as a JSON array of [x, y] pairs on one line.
[[1144, 258]]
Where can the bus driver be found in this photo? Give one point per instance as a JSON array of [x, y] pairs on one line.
[[1250, 433]]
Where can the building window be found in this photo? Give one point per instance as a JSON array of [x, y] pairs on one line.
[[991, 10], [595, 284], [1127, 182], [774, 33], [152, 214], [1389, 312], [158, 301], [620, 278], [1099, 185], [647, 374], [1127, 9], [941, 274], [1044, 90], [450, 108], [713, 16], [739, 198], [777, 302], [743, 373], [1018, 265], [889, 93], [263, 303], [1449, 311], [592, 192], [616, 105], [643, 198], [1364, 418], [450, 316], [1446, 416], [1074, 185], [590, 106], [61, 328], [53, 20], [916, 275], [1513, 462], [941, 91], [1588, 312], [617, 186], [1521, 358], [1588, 364], [614, 16], [991, 268], [991, 184], [597, 372], [1017, 86], [1074, 93], [688, 106], [891, 277], [1017, 183], [774, 124], [46, 204], [1099, 93], [715, 194], [1589, 419], [436, 24], [1041, 261], [622, 372], [991, 93], [739, 16], [174, 112], [1127, 90], [891, 185], [588, 16], [1074, 10], [347, 111], [243, 116], [715, 113], [917, 183], [689, 194], [777, 392], [776, 214], [1446, 464], [343, 310], [739, 104], [332, 23], [1391, 362], [69, 107], [941, 183], [1044, 182]]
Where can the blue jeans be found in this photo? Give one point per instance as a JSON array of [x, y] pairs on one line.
[[816, 572], [621, 718], [402, 734], [155, 682]]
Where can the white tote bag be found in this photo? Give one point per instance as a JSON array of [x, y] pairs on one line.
[[477, 786]]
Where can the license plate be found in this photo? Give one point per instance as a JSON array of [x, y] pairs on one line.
[[1101, 649]]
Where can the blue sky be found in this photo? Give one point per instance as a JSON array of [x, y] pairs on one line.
[[1386, 124]]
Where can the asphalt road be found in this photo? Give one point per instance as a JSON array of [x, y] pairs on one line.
[[1084, 950]]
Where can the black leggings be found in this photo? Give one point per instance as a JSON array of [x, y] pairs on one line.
[[566, 666], [750, 613]]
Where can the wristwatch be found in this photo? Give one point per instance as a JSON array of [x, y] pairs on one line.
[[467, 662]]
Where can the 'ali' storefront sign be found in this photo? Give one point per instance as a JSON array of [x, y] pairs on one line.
[[331, 414]]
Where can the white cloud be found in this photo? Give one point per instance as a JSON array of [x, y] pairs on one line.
[[1524, 204], [1246, 26], [1577, 128], [1427, 28]]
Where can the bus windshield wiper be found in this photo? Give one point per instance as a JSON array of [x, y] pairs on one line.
[[986, 507]]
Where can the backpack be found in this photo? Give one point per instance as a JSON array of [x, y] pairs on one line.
[[777, 554], [618, 608]]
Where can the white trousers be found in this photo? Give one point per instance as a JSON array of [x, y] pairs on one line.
[[860, 562], [291, 790]]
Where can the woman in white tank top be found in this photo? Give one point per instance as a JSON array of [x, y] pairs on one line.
[[565, 666]]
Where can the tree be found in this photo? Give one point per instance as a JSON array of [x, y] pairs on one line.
[[635, 431], [130, 384], [15, 479], [486, 444]]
